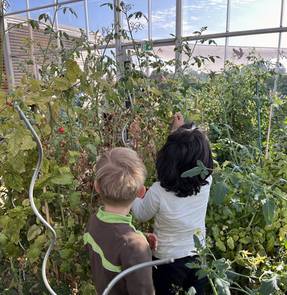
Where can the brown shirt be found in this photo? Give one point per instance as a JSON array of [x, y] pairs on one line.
[[115, 245]]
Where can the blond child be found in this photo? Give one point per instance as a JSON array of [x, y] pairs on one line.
[[112, 241]]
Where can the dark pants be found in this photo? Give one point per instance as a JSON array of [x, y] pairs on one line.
[[177, 278]]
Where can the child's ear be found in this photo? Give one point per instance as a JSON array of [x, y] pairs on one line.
[[97, 187], [141, 192]]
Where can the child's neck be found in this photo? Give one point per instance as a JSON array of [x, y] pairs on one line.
[[122, 210]]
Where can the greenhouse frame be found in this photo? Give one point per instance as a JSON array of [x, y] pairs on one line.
[[120, 46]]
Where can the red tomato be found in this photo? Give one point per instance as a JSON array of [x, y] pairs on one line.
[[61, 130]]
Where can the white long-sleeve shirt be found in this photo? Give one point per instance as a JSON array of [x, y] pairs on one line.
[[176, 219]]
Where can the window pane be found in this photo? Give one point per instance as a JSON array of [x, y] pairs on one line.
[[15, 6], [36, 3], [283, 51], [163, 19], [264, 46], [206, 50], [66, 17], [36, 13], [139, 26], [254, 14], [99, 17], [204, 13]]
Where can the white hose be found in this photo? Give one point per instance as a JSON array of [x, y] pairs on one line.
[[134, 268], [31, 198]]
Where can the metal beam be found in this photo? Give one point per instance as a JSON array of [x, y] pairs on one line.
[[171, 41], [41, 7], [178, 35], [227, 29], [56, 8], [149, 11], [32, 51], [118, 39], [7, 58], [87, 19], [149, 31], [279, 47]]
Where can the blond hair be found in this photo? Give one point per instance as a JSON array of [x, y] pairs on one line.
[[120, 173]]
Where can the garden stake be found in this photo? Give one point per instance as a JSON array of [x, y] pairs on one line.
[[258, 105], [31, 197], [134, 268]]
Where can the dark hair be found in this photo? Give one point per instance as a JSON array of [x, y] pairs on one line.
[[183, 149]]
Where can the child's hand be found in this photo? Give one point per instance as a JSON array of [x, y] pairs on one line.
[[152, 240], [177, 121]]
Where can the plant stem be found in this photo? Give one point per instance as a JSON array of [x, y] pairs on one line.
[[268, 132], [212, 286], [241, 290]]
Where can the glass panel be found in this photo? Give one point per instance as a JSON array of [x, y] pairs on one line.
[[254, 14], [285, 15], [36, 3], [206, 50], [284, 43], [204, 13], [15, 6], [99, 17], [139, 26], [283, 51], [36, 13], [166, 53], [67, 18], [163, 19], [264, 45]]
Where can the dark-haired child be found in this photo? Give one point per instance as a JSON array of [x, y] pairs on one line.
[[178, 206]]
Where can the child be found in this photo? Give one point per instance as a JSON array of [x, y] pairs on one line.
[[178, 206], [112, 241]]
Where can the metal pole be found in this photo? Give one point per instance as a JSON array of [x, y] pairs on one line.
[[56, 8], [279, 46], [178, 35], [7, 57], [227, 30], [275, 83], [41, 7], [32, 51], [118, 45], [149, 20], [87, 19], [149, 32]]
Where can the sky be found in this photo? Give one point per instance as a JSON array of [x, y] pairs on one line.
[[244, 15]]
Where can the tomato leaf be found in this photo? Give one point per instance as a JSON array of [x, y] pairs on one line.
[[33, 232], [268, 287], [192, 172], [222, 286], [219, 192], [269, 209]]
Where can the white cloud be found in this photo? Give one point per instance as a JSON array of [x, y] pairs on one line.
[[162, 16], [164, 20]]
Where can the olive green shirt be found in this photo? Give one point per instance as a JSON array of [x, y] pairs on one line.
[[115, 245]]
